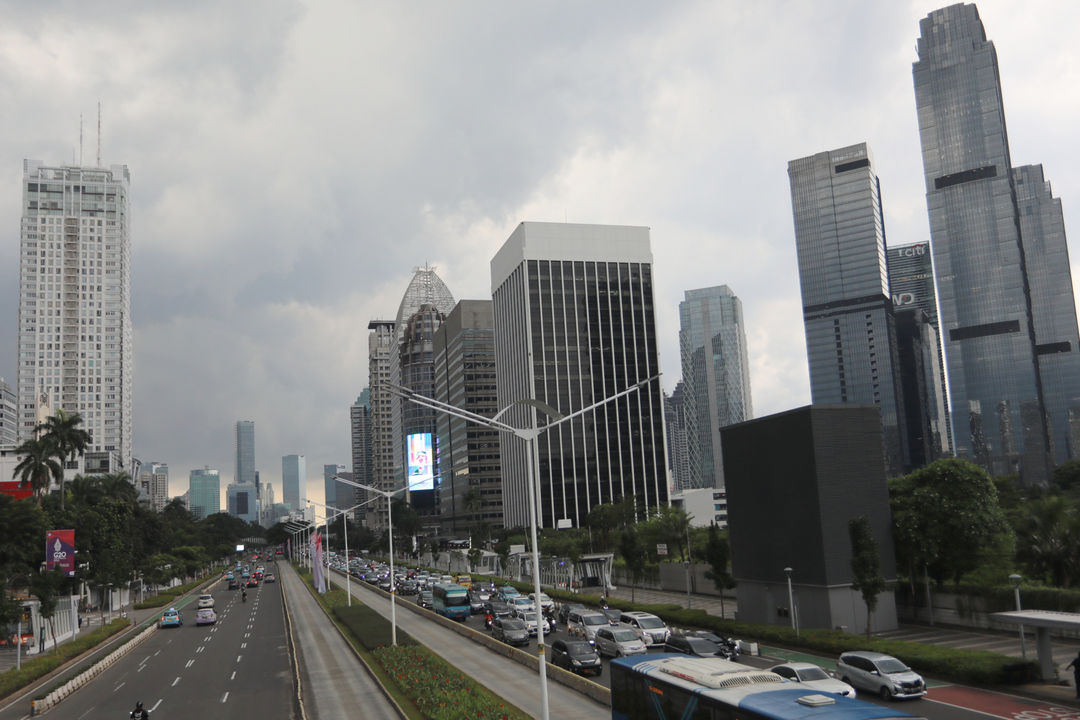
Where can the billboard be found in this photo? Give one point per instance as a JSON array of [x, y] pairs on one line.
[[420, 457], [60, 551]]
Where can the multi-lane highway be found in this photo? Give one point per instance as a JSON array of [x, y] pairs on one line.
[[237, 667]]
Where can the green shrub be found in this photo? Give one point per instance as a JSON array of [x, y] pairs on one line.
[[370, 628]]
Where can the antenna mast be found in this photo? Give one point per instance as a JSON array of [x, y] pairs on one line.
[[99, 133], [80, 139]]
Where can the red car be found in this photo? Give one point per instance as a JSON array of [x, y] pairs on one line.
[[253, 581]]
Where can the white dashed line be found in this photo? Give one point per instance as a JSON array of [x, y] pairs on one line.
[[200, 648], [86, 713], [154, 709], [238, 658], [189, 663], [176, 681], [225, 696], [118, 687], [243, 646], [233, 676]]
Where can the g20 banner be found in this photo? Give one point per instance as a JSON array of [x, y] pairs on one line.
[[60, 551]]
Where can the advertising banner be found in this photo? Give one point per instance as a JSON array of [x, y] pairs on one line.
[[421, 471], [60, 551]]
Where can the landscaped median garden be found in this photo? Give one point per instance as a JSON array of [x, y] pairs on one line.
[[38, 666], [422, 683], [168, 596]]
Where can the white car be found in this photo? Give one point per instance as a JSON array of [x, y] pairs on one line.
[[520, 604], [546, 603], [881, 674], [649, 627], [206, 601], [619, 641], [813, 677], [530, 620]]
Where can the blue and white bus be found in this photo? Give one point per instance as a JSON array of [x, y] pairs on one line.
[[678, 687], [451, 601]]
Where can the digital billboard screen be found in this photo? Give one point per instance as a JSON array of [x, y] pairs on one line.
[[421, 472]]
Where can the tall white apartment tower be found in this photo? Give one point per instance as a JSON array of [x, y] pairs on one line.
[[75, 330]]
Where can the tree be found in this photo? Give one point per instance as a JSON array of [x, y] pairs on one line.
[[634, 555], [38, 466], [434, 546], [717, 554], [947, 520], [472, 501], [46, 586], [1048, 538], [63, 432], [474, 556], [865, 565]]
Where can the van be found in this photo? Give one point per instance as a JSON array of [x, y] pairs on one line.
[[584, 624]]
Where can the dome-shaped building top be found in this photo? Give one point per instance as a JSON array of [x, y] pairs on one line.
[[425, 288]]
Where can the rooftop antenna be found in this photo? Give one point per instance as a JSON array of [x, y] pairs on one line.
[[99, 133], [80, 139]]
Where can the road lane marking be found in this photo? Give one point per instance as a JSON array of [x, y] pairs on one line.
[[85, 713], [233, 676], [157, 653], [238, 658], [118, 687], [247, 635], [176, 681], [147, 659], [243, 646], [189, 663], [200, 648], [154, 709], [225, 696]]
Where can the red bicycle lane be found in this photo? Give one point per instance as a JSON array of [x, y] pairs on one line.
[[1002, 705]]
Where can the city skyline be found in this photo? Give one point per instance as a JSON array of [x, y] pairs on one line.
[[661, 131]]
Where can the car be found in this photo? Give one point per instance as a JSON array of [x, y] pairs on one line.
[[813, 677], [205, 616], [498, 609], [269, 578], [612, 614], [234, 584], [577, 656], [651, 629], [253, 581], [546, 603], [531, 619], [881, 674], [585, 624], [171, 618], [206, 600], [425, 599], [508, 591], [511, 631], [566, 608], [477, 604], [520, 604], [619, 641], [690, 645]]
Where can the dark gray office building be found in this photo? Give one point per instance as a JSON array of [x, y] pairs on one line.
[[847, 312], [468, 481], [793, 509], [993, 305], [575, 325]]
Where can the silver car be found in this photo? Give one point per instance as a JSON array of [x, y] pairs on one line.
[[585, 624], [811, 676], [619, 641], [881, 674]]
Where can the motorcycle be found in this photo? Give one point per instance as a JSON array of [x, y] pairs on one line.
[[729, 649], [488, 622]]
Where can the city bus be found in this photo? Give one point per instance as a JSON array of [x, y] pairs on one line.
[[677, 687], [451, 601]]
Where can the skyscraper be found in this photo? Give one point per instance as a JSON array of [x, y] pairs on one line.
[[155, 480], [574, 325], [716, 372], [850, 329], [293, 480], [381, 343], [991, 311], [75, 329], [204, 493], [467, 471], [676, 424], [335, 494], [245, 452], [360, 432], [242, 502], [8, 416]]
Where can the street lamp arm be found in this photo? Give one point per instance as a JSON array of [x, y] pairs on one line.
[[384, 493], [633, 388], [433, 404]]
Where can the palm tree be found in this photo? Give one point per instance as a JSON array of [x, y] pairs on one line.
[[63, 430], [38, 465]]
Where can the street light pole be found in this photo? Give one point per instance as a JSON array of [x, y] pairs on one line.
[[529, 435], [791, 601], [1016, 588]]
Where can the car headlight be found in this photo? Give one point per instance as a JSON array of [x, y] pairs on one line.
[[575, 661]]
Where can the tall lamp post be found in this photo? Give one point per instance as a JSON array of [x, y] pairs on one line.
[[529, 436], [345, 530], [791, 602], [1016, 589], [389, 495]]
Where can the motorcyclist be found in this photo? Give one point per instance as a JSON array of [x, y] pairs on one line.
[[243, 596], [140, 713], [489, 619]]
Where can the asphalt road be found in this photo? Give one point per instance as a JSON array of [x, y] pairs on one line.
[[238, 667]]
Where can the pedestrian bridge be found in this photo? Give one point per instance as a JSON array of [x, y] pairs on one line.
[[1043, 621]]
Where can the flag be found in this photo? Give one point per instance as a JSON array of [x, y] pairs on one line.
[[317, 561]]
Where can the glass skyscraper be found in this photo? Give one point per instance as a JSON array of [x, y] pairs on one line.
[[574, 325], [245, 452], [716, 376], [850, 328], [204, 493], [293, 480], [994, 304]]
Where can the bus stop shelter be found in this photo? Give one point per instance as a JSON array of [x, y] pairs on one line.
[[1043, 621]]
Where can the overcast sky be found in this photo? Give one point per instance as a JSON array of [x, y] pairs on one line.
[[292, 163]]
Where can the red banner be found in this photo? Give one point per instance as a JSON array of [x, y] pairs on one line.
[[60, 551]]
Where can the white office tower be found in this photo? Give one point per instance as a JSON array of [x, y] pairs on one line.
[[154, 480], [574, 326], [8, 416], [75, 333]]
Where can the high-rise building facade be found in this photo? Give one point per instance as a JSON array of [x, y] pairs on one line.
[[986, 292], [293, 480], [242, 501], [9, 418], [468, 480], [337, 495], [676, 421], [715, 371], [245, 452], [75, 330], [850, 328], [1053, 307], [381, 344], [204, 493], [156, 482], [360, 432], [574, 326]]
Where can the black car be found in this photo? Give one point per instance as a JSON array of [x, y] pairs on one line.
[[577, 656], [476, 605], [510, 630], [691, 645], [499, 609], [425, 600], [565, 609]]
